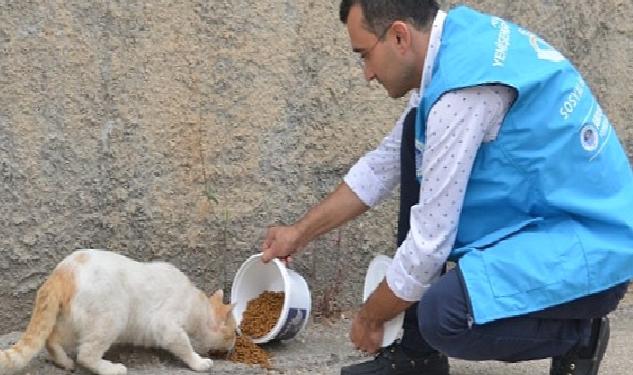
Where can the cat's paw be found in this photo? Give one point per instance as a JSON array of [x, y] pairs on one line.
[[66, 363], [202, 365], [114, 369]]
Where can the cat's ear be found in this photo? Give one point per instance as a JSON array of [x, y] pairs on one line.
[[229, 310], [218, 296]]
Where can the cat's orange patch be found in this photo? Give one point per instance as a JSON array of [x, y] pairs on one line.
[[63, 282], [221, 310], [81, 258], [60, 288], [53, 297]]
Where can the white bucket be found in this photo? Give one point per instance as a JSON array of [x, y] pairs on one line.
[[375, 274], [255, 277]]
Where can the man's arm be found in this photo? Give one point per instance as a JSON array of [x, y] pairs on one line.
[[369, 181], [336, 209]]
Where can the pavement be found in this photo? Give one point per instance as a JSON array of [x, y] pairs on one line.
[[323, 347]]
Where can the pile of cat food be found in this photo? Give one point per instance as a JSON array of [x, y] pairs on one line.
[[246, 351], [258, 319], [262, 313]]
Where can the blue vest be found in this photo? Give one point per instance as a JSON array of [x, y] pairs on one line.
[[548, 209]]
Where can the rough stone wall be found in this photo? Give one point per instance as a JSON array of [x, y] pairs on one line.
[[178, 130]]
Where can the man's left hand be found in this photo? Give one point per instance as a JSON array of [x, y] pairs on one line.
[[368, 325], [366, 334]]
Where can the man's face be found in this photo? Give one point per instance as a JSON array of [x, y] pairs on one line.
[[380, 57]]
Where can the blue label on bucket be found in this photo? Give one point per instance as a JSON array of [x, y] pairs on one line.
[[293, 324]]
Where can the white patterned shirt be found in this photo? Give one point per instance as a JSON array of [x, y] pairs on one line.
[[456, 126]]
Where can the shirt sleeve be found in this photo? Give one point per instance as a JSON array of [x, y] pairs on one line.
[[457, 125], [374, 175]]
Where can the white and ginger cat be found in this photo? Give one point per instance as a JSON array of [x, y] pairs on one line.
[[94, 299]]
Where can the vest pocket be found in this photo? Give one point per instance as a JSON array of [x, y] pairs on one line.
[[491, 238], [535, 258]]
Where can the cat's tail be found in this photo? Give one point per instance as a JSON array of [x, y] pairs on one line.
[[52, 296]]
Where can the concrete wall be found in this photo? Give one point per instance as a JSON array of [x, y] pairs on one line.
[[119, 120]]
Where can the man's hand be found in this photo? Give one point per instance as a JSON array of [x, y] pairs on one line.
[[366, 333], [339, 207], [368, 325], [281, 242]]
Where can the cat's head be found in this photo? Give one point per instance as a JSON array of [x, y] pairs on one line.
[[220, 331]]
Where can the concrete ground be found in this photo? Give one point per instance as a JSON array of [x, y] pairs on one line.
[[323, 348]]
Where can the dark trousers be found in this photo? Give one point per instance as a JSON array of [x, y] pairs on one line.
[[440, 321]]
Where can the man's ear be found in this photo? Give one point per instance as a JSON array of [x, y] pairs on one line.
[[402, 34]]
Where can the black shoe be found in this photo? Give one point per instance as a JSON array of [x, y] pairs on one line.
[[392, 360], [576, 362]]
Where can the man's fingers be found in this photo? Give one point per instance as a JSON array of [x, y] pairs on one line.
[[268, 240], [368, 349], [266, 246], [266, 255], [277, 245]]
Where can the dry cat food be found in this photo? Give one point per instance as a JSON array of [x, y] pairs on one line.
[[262, 313], [258, 319], [246, 351]]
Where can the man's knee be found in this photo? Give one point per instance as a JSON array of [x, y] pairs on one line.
[[443, 314]]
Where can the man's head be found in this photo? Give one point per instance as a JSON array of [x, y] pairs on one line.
[[391, 37]]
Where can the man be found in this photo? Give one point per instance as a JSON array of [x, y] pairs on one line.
[[508, 166]]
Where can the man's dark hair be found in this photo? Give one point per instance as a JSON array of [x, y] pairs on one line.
[[380, 14]]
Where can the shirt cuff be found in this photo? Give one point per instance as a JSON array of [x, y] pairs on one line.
[[403, 285], [365, 184]]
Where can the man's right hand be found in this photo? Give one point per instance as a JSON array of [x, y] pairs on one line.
[[281, 242], [337, 208]]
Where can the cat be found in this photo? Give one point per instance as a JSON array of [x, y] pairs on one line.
[[97, 298]]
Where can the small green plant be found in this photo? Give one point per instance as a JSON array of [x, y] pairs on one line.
[[213, 197]]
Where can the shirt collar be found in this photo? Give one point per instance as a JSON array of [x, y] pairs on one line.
[[431, 53]]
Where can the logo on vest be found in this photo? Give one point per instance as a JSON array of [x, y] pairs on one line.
[[589, 137], [544, 51], [503, 41]]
